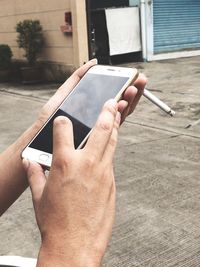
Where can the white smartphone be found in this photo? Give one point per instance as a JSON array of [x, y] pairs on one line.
[[82, 106]]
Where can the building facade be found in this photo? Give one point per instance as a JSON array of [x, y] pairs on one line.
[[63, 51], [160, 29], [170, 28]]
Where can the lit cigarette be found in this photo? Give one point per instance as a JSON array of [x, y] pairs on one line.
[[155, 100]]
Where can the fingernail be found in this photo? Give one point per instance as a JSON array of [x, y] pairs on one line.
[[94, 60]]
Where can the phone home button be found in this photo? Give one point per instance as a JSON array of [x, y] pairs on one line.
[[43, 157]]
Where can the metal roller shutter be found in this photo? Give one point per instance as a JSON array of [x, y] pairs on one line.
[[176, 25]]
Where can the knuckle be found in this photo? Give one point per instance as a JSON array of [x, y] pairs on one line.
[[90, 162], [61, 164], [113, 140], [117, 124], [105, 126], [111, 109]]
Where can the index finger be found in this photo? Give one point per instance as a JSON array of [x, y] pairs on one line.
[[140, 85]]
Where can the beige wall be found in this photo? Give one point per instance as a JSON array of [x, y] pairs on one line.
[[60, 49], [80, 40]]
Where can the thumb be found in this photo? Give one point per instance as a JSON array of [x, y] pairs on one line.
[[36, 179]]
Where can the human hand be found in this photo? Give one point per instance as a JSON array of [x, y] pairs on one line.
[[126, 106], [75, 206]]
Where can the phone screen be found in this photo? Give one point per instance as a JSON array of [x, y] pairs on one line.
[[82, 107]]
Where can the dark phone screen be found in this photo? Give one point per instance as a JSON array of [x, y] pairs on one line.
[[82, 107]]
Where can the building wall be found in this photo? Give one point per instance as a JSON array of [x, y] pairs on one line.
[[178, 22], [59, 50]]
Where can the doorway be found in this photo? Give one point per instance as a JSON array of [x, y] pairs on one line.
[[98, 38]]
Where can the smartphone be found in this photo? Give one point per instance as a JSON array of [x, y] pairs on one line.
[[82, 106]]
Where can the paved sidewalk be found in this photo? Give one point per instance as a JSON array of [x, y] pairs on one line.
[[157, 172]]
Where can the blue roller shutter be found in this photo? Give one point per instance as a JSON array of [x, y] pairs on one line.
[[176, 25]]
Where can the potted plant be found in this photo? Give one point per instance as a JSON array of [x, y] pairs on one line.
[[5, 62], [30, 38]]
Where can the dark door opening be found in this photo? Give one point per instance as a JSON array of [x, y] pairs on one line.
[[98, 35], [100, 43]]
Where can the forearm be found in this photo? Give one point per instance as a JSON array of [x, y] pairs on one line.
[[13, 180]]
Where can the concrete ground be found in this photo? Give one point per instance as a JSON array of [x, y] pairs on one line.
[[156, 167]]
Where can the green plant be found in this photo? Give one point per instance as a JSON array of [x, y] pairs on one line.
[[30, 38], [5, 56]]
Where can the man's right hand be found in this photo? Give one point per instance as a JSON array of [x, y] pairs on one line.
[[75, 205]]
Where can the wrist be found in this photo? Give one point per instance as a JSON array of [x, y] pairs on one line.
[[14, 179], [66, 256]]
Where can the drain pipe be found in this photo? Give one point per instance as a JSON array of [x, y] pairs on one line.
[[143, 29]]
